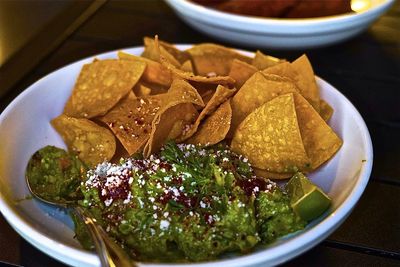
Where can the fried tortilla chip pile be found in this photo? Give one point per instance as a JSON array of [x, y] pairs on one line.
[[267, 109]]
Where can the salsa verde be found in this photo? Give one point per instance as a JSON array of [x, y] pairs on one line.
[[187, 203]]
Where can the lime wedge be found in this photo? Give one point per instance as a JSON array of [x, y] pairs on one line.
[[306, 199]]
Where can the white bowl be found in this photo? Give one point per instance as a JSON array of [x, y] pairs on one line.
[[276, 33], [25, 128]]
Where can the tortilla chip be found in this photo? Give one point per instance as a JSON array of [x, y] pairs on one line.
[[131, 119], [182, 92], [270, 137], [262, 61], [213, 59], [215, 127], [101, 85], [164, 125], [307, 84], [154, 71], [271, 175], [241, 72], [325, 110], [187, 66], [224, 80], [131, 95], [141, 90], [207, 95], [92, 143], [257, 90], [283, 69], [179, 55], [286, 69], [152, 52], [320, 141], [178, 73], [220, 96]]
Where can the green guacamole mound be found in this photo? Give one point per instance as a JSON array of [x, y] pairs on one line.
[[187, 203]]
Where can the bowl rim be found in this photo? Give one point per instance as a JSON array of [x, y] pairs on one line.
[[245, 22], [297, 245]]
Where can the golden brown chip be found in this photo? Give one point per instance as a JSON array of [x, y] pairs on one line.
[[156, 89], [177, 112], [271, 175], [215, 127], [206, 90], [152, 52], [207, 95], [213, 60], [182, 92], [241, 72], [220, 96], [92, 143], [307, 84], [178, 73], [131, 95], [101, 85], [181, 56], [325, 110], [187, 66], [169, 123], [286, 69], [224, 80], [141, 90], [262, 61], [270, 137], [320, 141], [154, 71], [257, 90], [131, 119]]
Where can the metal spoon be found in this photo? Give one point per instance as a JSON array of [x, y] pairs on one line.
[[110, 254]]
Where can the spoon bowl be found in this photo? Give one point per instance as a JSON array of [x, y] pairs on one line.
[[110, 254]]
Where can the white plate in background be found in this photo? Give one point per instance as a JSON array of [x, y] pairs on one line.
[[279, 33]]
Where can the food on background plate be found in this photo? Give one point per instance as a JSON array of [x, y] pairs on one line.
[[236, 125], [279, 8]]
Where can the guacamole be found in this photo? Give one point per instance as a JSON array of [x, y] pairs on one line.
[[186, 203]]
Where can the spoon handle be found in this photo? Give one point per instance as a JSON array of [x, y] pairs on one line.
[[110, 254]]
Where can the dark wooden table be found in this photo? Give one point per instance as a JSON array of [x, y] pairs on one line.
[[366, 69]]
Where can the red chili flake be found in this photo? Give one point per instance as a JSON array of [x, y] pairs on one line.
[[139, 121], [252, 185], [176, 180], [119, 190], [186, 201], [65, 163], [166, 166]]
